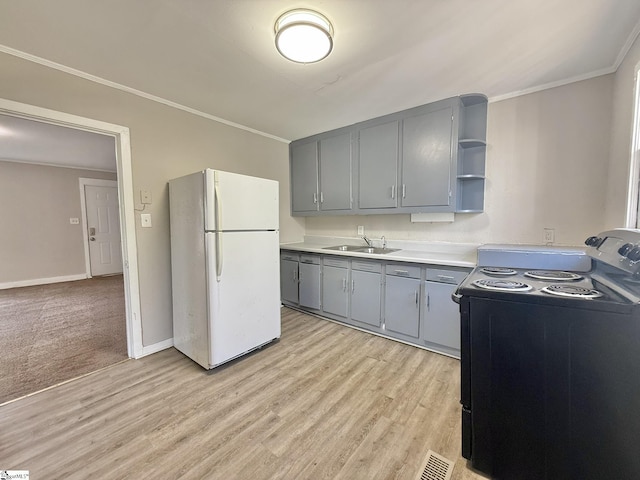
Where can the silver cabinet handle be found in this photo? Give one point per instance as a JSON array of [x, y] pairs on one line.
[[353, 286], [401, 272], [428, 301], [393, 191], [416, 293], [344, 284], [315, 197], [404, 190], [321, 197], [446, 277]]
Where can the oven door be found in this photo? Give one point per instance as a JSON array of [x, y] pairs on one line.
[[465, 376]]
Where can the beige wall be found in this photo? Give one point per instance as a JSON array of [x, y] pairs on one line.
[[165, 143], [621, 132], [36, 240], [546, 168]]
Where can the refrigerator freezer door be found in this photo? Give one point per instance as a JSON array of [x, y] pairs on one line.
[[239, 202], [244, 300]]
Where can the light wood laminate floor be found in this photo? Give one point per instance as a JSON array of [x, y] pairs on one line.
[[325, 402]]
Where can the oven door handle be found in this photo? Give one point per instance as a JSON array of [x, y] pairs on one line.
[[456, 297]]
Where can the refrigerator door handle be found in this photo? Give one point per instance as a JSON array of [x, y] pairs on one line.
[[218, 235]]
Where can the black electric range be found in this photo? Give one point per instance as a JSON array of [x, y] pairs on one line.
[[550, 365]]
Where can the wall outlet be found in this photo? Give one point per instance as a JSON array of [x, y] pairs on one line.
[[145, 197], [145, 220], [360, 230], [74, 221], [549, 235]]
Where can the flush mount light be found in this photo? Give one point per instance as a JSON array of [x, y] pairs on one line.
[[303, 36]]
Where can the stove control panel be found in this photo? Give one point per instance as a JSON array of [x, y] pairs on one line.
[[619, 248], [594, 241]]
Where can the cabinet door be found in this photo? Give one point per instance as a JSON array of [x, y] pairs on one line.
[[365, 297], [334, 290], [335, 173], [378, 166], [426, 159], [402, 305], [442, 316], [289, 281], [304, 177], [309, 285]]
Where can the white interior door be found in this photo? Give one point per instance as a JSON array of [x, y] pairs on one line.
[[103, 229]]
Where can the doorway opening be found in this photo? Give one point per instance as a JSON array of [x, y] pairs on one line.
[[125, 198]]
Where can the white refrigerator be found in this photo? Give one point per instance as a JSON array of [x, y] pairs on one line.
[[225, 265]]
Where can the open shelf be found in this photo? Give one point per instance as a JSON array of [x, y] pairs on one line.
[[472, 147]]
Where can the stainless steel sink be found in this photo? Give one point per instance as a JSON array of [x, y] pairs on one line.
[[362, 249], [345, 248]]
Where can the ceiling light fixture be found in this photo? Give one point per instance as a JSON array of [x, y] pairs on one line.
[[303, 36]]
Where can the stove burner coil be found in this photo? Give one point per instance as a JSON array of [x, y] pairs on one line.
[[572, 291], [553, 275], [498, 271], [502, 285]]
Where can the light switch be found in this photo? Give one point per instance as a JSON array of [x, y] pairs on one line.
[[145, 220], [74, 221]]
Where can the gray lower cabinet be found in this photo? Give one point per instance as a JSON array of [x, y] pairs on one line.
[[402, 305], [366, 292], [405, 301], [309, 281], [441, 316], [335, 292], [289, 278]]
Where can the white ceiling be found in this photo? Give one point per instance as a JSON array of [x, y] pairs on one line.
[[218, 56], [30, 141]]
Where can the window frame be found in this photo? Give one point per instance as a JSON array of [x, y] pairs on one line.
[[633, 201]]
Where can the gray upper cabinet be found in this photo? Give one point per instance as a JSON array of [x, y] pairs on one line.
[[426, 159], [304, 177], [378, 166], [335, 172], [321, 174]]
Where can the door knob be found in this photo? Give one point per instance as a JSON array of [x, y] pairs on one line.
[[93, 239]]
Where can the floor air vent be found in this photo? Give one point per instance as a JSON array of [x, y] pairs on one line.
[[436, 467]]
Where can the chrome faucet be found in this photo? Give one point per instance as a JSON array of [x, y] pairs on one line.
[[384, 242], [367, 240]]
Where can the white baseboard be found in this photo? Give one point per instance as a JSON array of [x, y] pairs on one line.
[[42, 281], [156, 347]]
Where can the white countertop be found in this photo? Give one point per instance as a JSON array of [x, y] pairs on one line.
[[434, 253]]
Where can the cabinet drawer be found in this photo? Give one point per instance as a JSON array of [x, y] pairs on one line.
[[315, 259], [289, 256], [403, 270], [446, 276], [366, 266], [335, 262]]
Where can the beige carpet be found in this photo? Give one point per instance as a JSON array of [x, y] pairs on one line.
[[52, 333]]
